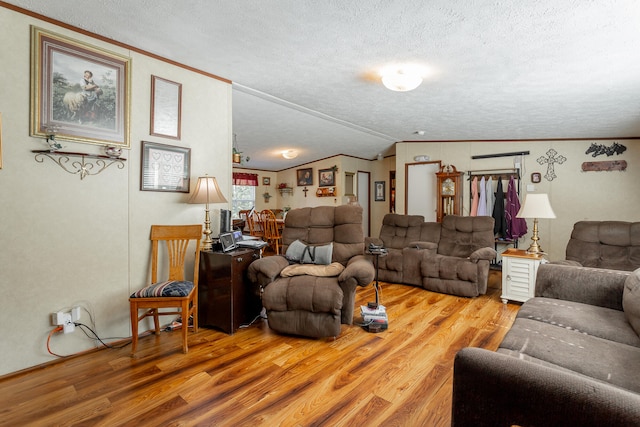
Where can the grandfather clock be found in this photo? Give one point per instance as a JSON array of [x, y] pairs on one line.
[[449, 191]]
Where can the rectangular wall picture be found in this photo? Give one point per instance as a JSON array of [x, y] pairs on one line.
[[166, 108], [79, 92], [304, 177], [327, 177], [379, 191], [165, 168]]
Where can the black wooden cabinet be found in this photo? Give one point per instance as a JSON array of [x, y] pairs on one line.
[[226, 297]]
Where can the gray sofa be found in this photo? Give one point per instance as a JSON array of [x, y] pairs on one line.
[[605, 244], [572, 356], [451, 257]]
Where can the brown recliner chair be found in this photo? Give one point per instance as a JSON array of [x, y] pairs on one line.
[[310, 305], [613, 245]]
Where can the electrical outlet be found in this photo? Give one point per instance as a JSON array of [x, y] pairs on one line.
[[66, 319], [75, 313], [57, 318], [68, 324]]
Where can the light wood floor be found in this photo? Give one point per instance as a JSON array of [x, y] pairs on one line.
[[400, 377]]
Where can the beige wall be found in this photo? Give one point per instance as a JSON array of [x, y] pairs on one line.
[[66, 241], [574, 195]]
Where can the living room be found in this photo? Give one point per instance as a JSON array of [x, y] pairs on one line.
[[69, 241]]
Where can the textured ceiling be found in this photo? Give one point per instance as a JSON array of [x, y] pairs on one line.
[[305, 72]]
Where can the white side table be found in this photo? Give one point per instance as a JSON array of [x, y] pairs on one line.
[[519, 274]]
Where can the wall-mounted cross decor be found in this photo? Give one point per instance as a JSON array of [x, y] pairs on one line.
[[551, 159], [305, 191]]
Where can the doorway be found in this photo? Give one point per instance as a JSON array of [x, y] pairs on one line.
[[420, 194]]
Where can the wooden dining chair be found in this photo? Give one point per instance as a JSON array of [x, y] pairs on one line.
[[175, 292], [244, 214], [271, 230], [256, 227]]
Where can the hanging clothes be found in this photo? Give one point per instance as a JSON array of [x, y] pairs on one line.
[[500, 221], [491, 197], [475, 199], [516, 227], [482, 199]]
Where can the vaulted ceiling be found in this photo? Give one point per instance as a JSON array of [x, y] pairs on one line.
[[306, 73]]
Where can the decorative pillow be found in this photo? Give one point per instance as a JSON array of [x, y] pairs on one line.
[[333, 269], [309, 254], [171, 288], [631, 300]]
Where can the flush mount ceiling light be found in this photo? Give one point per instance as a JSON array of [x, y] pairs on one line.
[[401, 78], [290, 154]]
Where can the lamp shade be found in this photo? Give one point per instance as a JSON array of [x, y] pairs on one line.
[[207, 191], [536, 205]]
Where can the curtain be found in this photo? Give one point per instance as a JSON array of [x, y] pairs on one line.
[[250, 179]]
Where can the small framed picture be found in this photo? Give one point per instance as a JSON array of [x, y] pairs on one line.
[[166, 107], [266, 180], [304, 177], [327, 177], [379, 194], [165, 168], [536, 177]]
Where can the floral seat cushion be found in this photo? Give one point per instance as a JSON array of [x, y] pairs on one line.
[[170, 288]]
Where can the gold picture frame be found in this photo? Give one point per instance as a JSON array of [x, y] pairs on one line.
[[79, 92]]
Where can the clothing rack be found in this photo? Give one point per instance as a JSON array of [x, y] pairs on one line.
[[504, 174], [495, 174]]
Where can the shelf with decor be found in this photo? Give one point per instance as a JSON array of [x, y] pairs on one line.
[[285, 190], [326, 192], [89, 164]]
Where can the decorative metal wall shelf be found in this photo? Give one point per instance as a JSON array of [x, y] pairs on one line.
[[285, 190], [89, 164]]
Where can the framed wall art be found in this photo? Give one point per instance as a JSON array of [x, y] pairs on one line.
[[165, 168], [327, 177], [536, 177], [304, 177], [79, 92], [166, 108], [266, 180], [379, 191]]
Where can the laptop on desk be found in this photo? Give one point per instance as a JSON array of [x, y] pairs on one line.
[[251, 242]]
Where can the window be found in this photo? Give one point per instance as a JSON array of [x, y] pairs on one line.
[[244, 198]]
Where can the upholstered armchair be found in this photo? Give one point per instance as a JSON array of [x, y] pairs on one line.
[[406, 238], [317, 299], [461, 263], [604, 244]]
